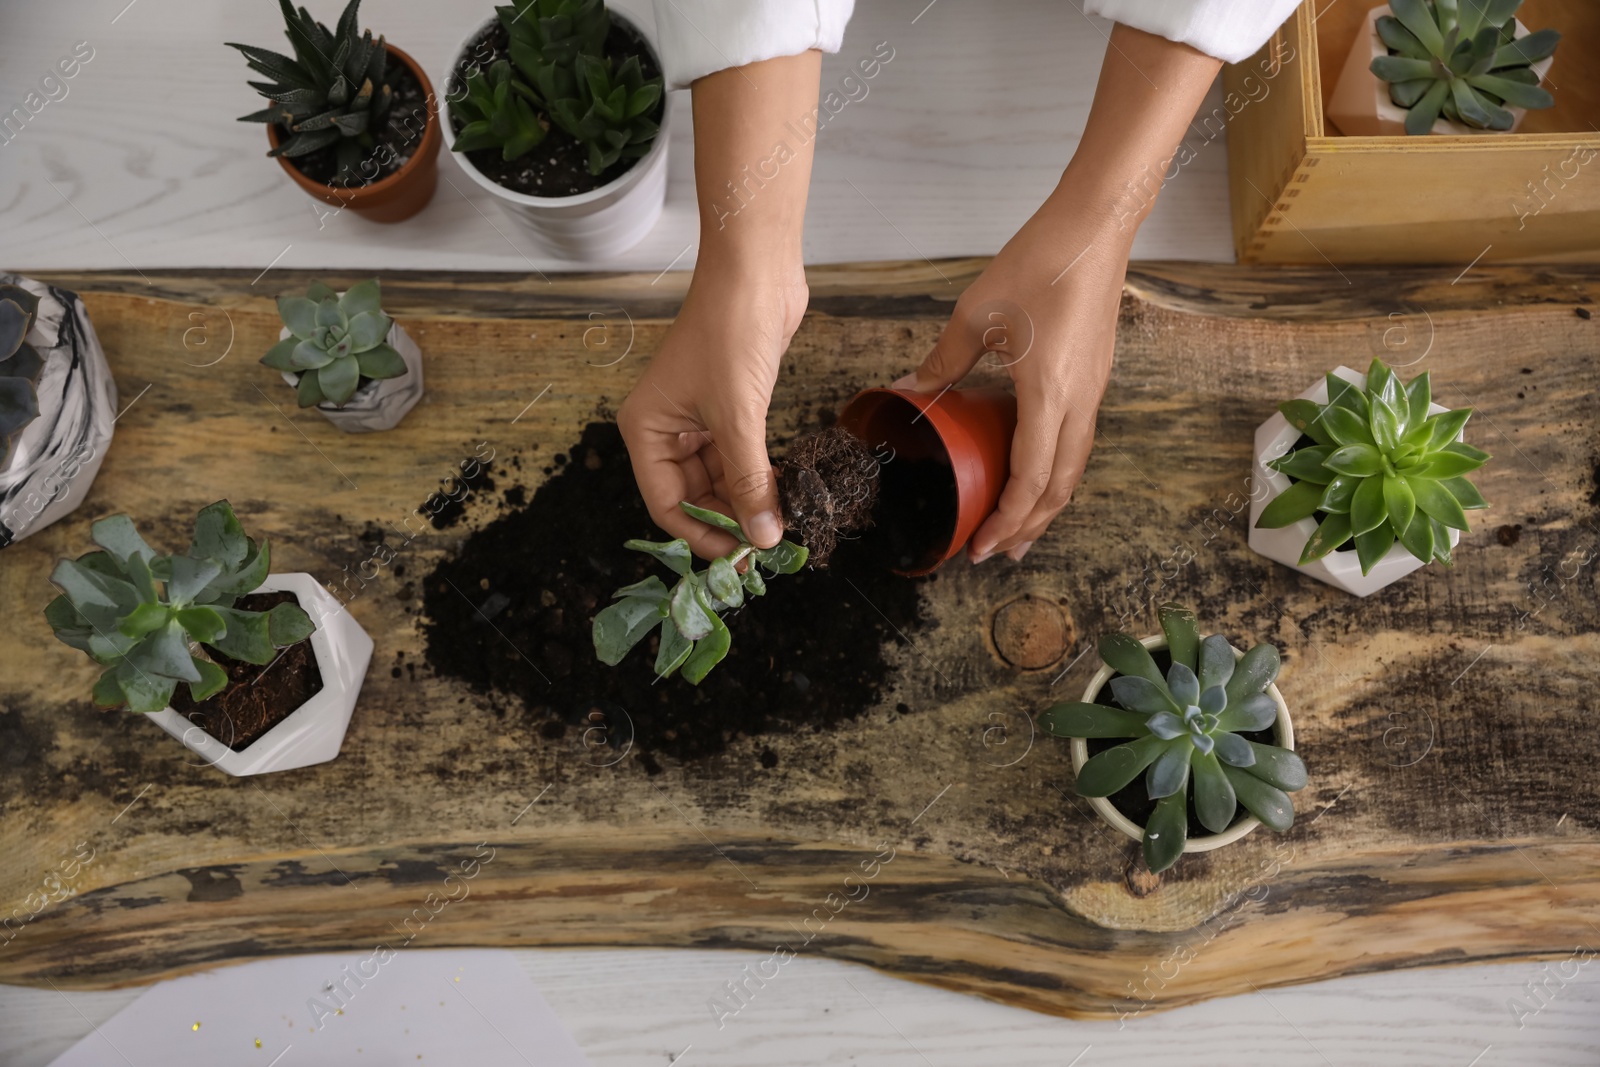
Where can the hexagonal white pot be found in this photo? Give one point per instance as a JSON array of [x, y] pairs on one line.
[[1360, 104], [600, 223], [1284, 735], [1342, 570], [313, 732], [381, 403]]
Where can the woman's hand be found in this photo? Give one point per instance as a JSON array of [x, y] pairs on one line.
[[1046, 306]]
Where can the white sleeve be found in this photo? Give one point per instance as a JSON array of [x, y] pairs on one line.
[[699, 37], [1231, 30]]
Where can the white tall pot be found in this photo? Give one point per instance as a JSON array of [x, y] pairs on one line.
[[599, 224]]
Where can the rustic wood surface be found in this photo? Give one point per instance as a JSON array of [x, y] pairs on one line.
[[1450, 816]]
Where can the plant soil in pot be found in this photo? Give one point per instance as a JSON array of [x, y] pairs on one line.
[[1419, 67], [564, 121], [282, 662], [1364, 480], [1180, 743], [353, 120], [342, 354], [58, 404]]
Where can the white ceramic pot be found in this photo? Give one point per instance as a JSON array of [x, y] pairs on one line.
[[313, 732], [599, 224], [381, 403], [1274, 438], [56, 456], [1283, 734], [1360, 104]]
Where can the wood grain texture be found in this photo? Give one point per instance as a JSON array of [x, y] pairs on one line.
[[1442, 719]]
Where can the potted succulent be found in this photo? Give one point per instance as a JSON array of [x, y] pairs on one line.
[[256, 695], [352, 120], [583, 85], [58, 404], [1366, 480], [341, 353], [1201, 721], [1452, 67]]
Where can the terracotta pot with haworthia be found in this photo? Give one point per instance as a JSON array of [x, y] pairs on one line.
[[1361, 480], [58, 404], [353, 120], [1418, 67], [557, 109], [344, 356], [1183, 744], [252, 671]]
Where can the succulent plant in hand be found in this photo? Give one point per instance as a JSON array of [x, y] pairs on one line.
[[335, 342], [1380, 469], [20, 366], [1186, 725], [141, 614], [334, 91], [693, 637], [1461, 59]]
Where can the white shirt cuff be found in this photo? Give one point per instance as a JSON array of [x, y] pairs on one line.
[[699, 37], [1230, 30]]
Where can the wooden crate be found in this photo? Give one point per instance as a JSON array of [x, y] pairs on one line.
[[1302, 193]]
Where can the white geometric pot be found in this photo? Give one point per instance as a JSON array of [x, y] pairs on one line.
[[1283, 730], [56, 456], [600, 223], [1360, 104], [1340, 569], [313, 732], [381, 403]]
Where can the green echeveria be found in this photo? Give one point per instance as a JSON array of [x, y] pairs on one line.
[[1381, 469], [1186, 725], [334, 342], [1461, 59], [693, 636], [140, 614], [20, 366]]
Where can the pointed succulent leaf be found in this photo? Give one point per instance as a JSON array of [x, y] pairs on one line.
[[1417, 537], [1257, 711], [1216, 661], [1297, 502], [1465, 492], [246, 636], [1306, 416], [1266, 802], [1253, 674], [652, 588], [1277, 767], [675, 554], [1213, 701], [1182, 632], [1214, 799], [1336, 496], [714, 518], [1331, 532], [1367, 510], [1128, 657], [1233, 749], [299, 314], [1108, 771], [338, 380], [672, 649], [1306, 464], [1142, 695], [1169, 774], [1183, 685], [1079, 719], [144, 692], [1437, 502], [1164, 724], [1373, 545]]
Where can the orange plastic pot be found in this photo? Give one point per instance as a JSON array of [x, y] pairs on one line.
[[970, 429], [403, 193]]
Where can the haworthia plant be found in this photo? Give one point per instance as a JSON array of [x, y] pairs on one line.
[[20, 366], [688, 617], [334, 342], [498, 113], [1184, 729], [1461, 59], [1380, 469], [142, 614]]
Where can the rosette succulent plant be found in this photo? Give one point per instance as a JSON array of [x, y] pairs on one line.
[[613, 113], [142, 615], [498, 113], [1186, 732], [1461, 59], [693, 636], [1380, 469], [335, 342], [334, 92], [548, 36], [20, 366]]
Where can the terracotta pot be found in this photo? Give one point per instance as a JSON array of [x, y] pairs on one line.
[[970, 429], [403, 193], [1360, 104], [1283, 730]]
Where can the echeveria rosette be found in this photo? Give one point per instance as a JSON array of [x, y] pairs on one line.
[[1381, 469], [1186, 724], [20, 365], [139, 613], [334, 342], [1461, 59], [693, 636]]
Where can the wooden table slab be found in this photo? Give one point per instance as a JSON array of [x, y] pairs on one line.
[[1453, 813]]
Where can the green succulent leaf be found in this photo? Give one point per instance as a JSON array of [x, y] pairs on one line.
[[690, 611], [623, 624], [1214, 800], [1079, 719], [1306, 416], [1166, 833], [299, 315], [1183, 685], [1465, 492], [1277, 767], [1357, 461], [1331, 532], [1183, 634], [1234, 750], [723, 584], [1399, 501], [1373, 545], [1169, 774], [1108, 771], [675, 554], [1266, 802], [1142, 695], [1216, 662], [1297, 502], [785, 558], [708, 652], [714, 518], [1417, 537], [1437, 502], [673, 649], [1306, 464], [1367, 509], [1257, 670], [1338, 493], [380, 362]]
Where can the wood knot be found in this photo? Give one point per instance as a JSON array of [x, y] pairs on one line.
[[1031, 632]]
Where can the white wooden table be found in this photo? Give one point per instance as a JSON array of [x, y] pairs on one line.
[[141, 164]]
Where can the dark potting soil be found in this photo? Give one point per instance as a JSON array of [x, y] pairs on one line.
[[257, 696], [828, 486], [916, 512], [512, 611], [392, 144], [1306, 441], [1133, 800], [559, 165]]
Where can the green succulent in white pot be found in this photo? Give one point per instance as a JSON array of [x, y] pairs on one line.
[[346, 357]]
